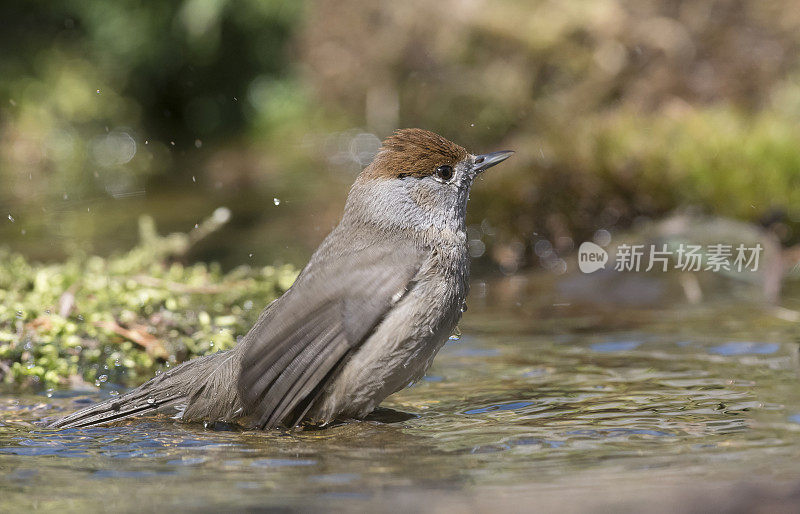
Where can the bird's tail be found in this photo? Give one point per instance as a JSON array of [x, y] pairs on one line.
[[200, 389]]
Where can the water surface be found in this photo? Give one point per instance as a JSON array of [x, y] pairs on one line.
[[545, 403]]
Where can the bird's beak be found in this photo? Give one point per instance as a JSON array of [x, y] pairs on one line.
[[487, 160]]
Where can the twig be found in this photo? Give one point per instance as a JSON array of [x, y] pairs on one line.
[[151, 344]]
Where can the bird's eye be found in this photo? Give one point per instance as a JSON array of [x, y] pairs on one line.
[[444, 172]]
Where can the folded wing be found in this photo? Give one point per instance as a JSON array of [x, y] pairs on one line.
[[326, 314]]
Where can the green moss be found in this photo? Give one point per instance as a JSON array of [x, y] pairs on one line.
[[613, 167], [731, 163], [122, 318]]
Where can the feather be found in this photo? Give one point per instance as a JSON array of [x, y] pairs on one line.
[[202, 387], [313, 327]]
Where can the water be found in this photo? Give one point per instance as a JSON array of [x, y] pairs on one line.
[[543, 402]]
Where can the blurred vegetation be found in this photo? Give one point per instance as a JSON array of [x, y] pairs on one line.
[[619, 109], [119, 320]]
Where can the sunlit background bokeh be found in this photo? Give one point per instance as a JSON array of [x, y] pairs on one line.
[[620, 111]]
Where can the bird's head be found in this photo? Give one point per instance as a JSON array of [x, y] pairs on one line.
[[418, 180]]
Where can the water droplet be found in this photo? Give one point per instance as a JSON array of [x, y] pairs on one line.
[[198, 143], [20, 314], [602, 237], [97, 383], [194, 179], [196, 225], [114, 393], [103, 378], [66, 196], [464, 306], [47, 311], [221, 215], [98, 91], [80, 317], [172, 143], [276, 201], [250, 255], [151, 401], [456, 335], [147, 141], [11, 218], [471, 124]]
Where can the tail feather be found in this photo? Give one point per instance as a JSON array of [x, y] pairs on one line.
[[200, 389]]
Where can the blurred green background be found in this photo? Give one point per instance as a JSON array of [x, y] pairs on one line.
[[619, 110]]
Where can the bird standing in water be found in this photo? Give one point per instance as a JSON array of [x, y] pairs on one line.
[[365, 317]]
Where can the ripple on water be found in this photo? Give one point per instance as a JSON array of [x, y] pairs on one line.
[[619, 432], [616, 346], [118, 473], [335, 478], [282, 463], [499, 407], [536, 441], [188, 461], [508, 409], [745, 348]]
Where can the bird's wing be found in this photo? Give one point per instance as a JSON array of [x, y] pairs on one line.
[[329, 311]]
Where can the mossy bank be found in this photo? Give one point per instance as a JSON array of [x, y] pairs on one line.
[[121, 319]]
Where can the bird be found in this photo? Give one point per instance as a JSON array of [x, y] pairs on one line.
[[365, 317]]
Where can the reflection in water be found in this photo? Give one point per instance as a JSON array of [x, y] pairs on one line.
[[512, 409]]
